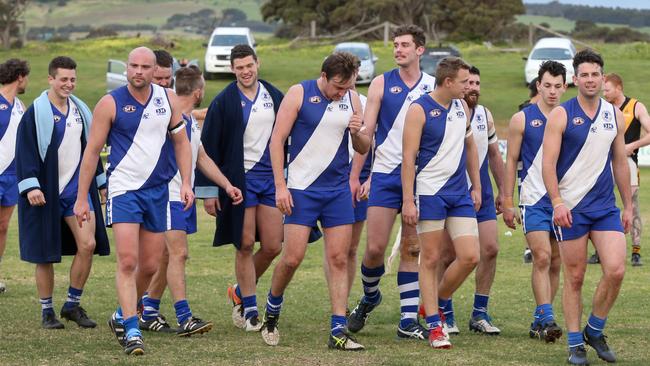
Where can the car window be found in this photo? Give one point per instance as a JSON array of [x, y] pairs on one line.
[[229, 40], [361, 53], [551, 54], [116, 67]]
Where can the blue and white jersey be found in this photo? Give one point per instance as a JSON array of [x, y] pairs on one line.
[[390, 121], [365, 170], [584, 167], [194, 135], [67, 136], [441, 167], [259, 117], [10, 115], [479, 123], [318, 143], [140, 144], [532, 191]]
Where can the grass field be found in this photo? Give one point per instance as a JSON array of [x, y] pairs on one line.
[[567, 25], [305, 317]]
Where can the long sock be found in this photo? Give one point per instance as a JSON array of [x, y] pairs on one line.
[[118, 314], [183, 311], [238, 291], [141, 300], [543, 314], [74, 297], [47, 306], [250, 306], [370, 278], [433, 321], [274, 304], [595, 326], [575, 339], [151, 308], [480, 305], [338, 324], [409, 297], [131, 327], [447, 308]]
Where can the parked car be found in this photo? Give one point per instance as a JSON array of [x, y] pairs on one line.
[[222, 40], [364, 53], [116, 72], [431, 56], [557, 49]]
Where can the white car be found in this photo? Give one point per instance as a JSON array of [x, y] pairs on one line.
[[364, 53], [561, 50], [222, 40], [116, 72]]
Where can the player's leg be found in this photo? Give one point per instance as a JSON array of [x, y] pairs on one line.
[[637, 225], [486, 268], [408, 285], [269, 226], [5, 217], [151, 319], [45, 287], [246, 308]]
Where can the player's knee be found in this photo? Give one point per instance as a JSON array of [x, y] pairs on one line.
[[410, 247], [337, 260], [87, 246], [542, 260], [4, 227], [246, 248], [271, 251], [248, 240], [352, 253], [430, 259], [292, 261], [574, 280], [615, 274], [179, 254], [469, 259], [127, 264], [375, 253], [490, 251]]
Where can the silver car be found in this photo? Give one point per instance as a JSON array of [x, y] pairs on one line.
[[364, 53], [116, 72]]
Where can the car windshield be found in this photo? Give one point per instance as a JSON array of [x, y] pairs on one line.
[[361, 52], [551, 54], [429, 63], [229, 40]]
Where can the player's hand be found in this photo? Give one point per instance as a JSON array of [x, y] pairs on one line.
[[364, 191], [187, 196], [498, 204], [562, 216], [355, 186], [409, 213], [81, 210], [210, 206], [355, 124], [283, 200], [235, 195], [475, 194], [511, 217], [629, 150], [102, 196], [626, 219], [36, 197]]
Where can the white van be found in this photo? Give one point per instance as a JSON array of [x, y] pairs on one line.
[[222, 40], [557, 49]]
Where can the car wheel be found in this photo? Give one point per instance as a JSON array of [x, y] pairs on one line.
[[208, 75]]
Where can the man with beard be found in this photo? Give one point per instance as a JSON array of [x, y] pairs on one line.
[[485, 137]]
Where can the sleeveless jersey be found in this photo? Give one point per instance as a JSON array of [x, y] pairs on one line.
[[67, 136], [259, 117], [479, 122], [390, 121], [140, 145], [632, 125], [318, 142], [194, 135], [365, 170], [532, 191], [10, 115]]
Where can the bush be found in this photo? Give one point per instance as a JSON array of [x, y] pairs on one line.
[[101, 32]]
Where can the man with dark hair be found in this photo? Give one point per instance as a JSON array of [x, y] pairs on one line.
[[319, 117], [143, 121], [162, 73], [389, 96], [438, 140], [533, 95], [50, 142], [525, 135], [636, 118], [489, 156], [14, 77], [236, 135], [583, 153]]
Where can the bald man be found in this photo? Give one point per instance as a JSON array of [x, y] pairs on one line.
[[146, 128]]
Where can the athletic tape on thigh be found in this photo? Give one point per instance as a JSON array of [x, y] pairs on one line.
[[425, 226], [461, 226]]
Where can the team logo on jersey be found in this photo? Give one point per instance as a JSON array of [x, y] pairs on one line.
[[266, 96], [243, 104], [480, 127], [145, 115], [593, 129], [435, 113], [158, 101], [254, 109], [456, 103], [268, 105], [129, 108], [3, 107], [607, 116], [161, 111], [479, 118], [330, 108], [315, 99], [578, 121], [449, 118], [57, 119], [536, 123], [409, 98], [395, 90], [608, 126], [343, 107], [75, 112], [460, 114], [424, 87]]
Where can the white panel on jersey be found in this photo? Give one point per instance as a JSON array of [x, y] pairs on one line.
[[8, 141], [363, 100], [70, 149], [195, 142], [480, 131], [532, 188], [258, 129]]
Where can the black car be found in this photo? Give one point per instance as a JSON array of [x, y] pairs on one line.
[[431, 57]]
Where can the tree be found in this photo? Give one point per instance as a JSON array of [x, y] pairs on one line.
[[475, 19], [10, 11]]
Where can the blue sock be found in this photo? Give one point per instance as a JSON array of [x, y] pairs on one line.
[[543, 314], [183, 311], [250, 306], [575, 339], [480, 305], [151, 308], [47, 306], [370, 278], [409, 297], [595, 326], [131, 327], [141, 300], [118, 315], [238, 291], [433, 321], [447, 310], [74, 297], [273, 304], [338, 324]]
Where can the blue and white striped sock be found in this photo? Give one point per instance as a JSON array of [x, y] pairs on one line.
[[595, 326], [250, 306], [480, 305], [338, 323], [183, 311], [274, 304], [74, 297], [409, 297], [131, 327], [370, 278], [151, 308], [433, 321], [47, 306]]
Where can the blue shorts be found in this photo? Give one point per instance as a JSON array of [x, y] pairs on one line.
[[8, 190], [146, 206], [260, 192], [177, 219], [332, 208], [487, 211], [584, 222], [360, 210], [440, 207], [66, 205], [386, 190], [536, 218]]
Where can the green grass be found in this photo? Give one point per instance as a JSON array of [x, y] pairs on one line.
[[567, 25]]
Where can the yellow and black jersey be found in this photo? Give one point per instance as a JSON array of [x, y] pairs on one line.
[[632, 124]]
